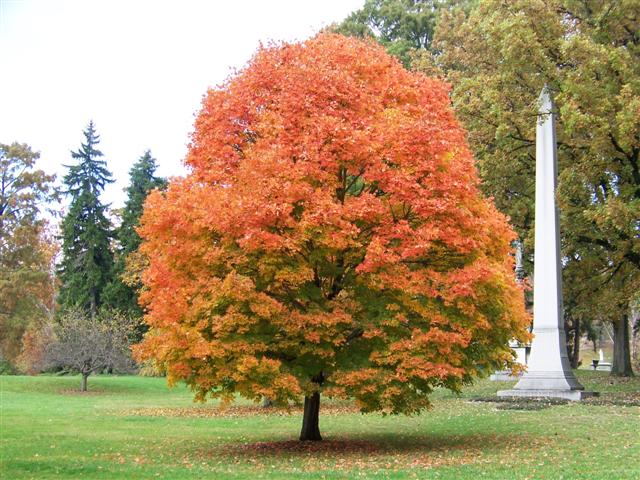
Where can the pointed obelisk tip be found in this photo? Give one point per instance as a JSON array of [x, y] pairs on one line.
[[545, 101]]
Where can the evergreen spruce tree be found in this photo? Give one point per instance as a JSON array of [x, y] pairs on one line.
[[87, 263], [142, 180]]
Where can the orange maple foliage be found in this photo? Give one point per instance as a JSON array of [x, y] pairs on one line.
[[331, 236]]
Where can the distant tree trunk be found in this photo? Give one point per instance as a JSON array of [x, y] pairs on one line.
[[310, 419], [635, 330], [266, 402], [93, 308], [621, 366], [575, 351], [83, 385]]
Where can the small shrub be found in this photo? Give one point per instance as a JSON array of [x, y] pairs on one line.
[[34, 344], [6, 368], [151, 368]]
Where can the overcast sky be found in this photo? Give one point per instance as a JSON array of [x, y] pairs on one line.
[[138, 68]]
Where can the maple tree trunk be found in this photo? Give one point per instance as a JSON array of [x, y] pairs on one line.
[[310, 419], [621, 366]]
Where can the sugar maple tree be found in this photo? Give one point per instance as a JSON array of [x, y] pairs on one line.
[[330, 238]]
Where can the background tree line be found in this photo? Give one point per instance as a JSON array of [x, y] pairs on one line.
[[497, 56], [55, 288]]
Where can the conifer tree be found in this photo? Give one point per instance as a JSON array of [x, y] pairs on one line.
[[142, 180], [87, 263]]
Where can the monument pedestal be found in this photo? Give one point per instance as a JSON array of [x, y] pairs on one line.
[[548, 384], [573, 395]]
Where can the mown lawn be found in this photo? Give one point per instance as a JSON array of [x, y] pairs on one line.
[[135, 428]]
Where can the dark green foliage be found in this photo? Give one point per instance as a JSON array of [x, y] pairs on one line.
[[142, 181], [400, 25], [87, 263], [6, 368], [120, 295]]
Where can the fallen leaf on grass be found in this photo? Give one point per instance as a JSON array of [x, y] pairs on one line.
[[619, 399], [373, 454], [235, 411]]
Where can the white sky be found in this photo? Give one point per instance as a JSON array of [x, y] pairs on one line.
[[138, 68]]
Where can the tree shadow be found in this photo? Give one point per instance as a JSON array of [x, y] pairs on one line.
[[418, 449], [91, 392]]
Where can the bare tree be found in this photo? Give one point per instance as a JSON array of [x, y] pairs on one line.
[[87, 344]]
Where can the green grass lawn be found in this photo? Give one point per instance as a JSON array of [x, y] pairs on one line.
[[135, 428]]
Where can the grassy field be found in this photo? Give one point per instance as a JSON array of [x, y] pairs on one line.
[[136, 428]]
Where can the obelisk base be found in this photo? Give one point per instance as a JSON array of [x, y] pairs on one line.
[[549, 384], [573, 395]]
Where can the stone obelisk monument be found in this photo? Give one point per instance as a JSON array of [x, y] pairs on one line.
[[548, 371]]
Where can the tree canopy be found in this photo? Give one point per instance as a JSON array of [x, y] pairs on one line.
[[331, 237], [498, 58], [402, 26], [26, 249]]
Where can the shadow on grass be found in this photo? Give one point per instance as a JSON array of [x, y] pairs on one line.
[[97, 388], [92, 392], [375, 451]]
